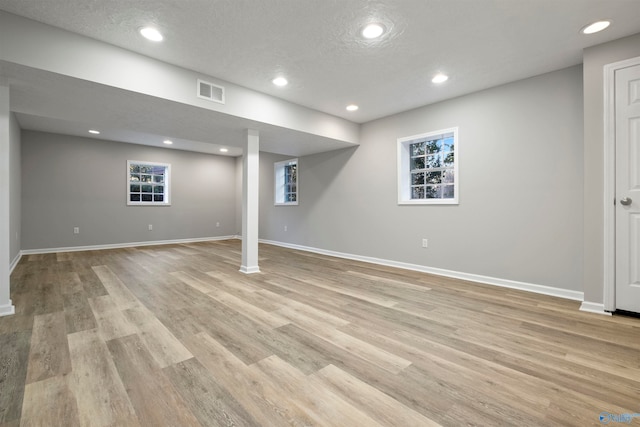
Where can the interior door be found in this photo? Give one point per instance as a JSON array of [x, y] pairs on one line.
[[627, 125]]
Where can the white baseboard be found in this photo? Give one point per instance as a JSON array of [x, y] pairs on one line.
[[531, 287], [7, 309], [249, 270], [594, 307], [15, 262], [512, 284], [123, 245]]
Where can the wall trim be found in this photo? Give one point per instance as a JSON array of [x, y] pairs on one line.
[[7, 309], [249, 270], [512, 284], [594, 307], [15, 262], [123, 245]]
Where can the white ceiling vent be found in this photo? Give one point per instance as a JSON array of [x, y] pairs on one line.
[[210, 92]]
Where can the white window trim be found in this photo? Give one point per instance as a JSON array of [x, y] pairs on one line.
[[404, 182], [278, 173], [167, 184]]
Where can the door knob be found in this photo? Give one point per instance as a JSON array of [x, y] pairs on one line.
[[626, 201]]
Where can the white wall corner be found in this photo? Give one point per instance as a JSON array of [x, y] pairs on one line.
[[594, 307]]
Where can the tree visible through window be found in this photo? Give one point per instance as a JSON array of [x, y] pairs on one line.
[[286, 182], [428, 168], [148, 183]]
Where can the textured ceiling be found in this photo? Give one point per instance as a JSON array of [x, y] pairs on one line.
[[316, 45]]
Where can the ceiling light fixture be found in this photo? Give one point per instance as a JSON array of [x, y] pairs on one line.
[[224, 150], [280, 81], [95, 132], [352, 107], [372, 31], [152, 34], [595, 27], [168, 142], [440, 78]]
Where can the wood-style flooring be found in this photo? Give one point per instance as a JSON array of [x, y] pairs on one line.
[[176, 336]]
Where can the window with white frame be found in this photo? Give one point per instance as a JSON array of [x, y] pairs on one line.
[[148, 183], [428, 168], [286, 182]]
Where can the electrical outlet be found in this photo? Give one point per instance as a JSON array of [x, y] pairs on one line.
[[76, 230], [217, 224], [425, 243], [285, 228], [150, 227]]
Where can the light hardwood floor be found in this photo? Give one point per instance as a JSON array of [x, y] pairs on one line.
[[176, 336]]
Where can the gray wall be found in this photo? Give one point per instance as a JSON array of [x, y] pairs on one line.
[[81, 182], [521, 179], [15, 188], [274, 218], [595, 58]]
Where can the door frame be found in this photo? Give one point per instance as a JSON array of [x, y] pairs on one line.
[[609, 297]]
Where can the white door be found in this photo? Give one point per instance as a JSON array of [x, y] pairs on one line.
[[627, 128]]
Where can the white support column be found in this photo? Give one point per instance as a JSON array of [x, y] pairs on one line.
[[250, 200], [6, 307]]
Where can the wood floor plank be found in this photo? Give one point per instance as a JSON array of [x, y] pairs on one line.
[[234, 330], [163, 346], [211, 403], [320, 403], [257, 396], [194, 282], [345, 290], [269, 320], [308, 310], [121, 295], [14, 353], [49, 355], [175, 335], [154, 399], [110, 319], [70, 282], [383, 408], [232, 280], [375, 355], [77, 312], [16, 323], [100, 393], [49, 402]]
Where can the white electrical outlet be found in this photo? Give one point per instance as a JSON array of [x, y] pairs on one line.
[[217, 224], [425, 243], [150, 227], [76, 230], [285, 228]]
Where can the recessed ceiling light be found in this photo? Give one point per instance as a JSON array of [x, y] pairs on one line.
[[595, 27], [168, 142], [440, 78], [352, 107], [151, 33], [95, 132], [224, 150], [280, 81], [372, 31]]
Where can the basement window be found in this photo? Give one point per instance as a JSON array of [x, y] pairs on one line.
[[286, 182], [428, 168], [148, 183]]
